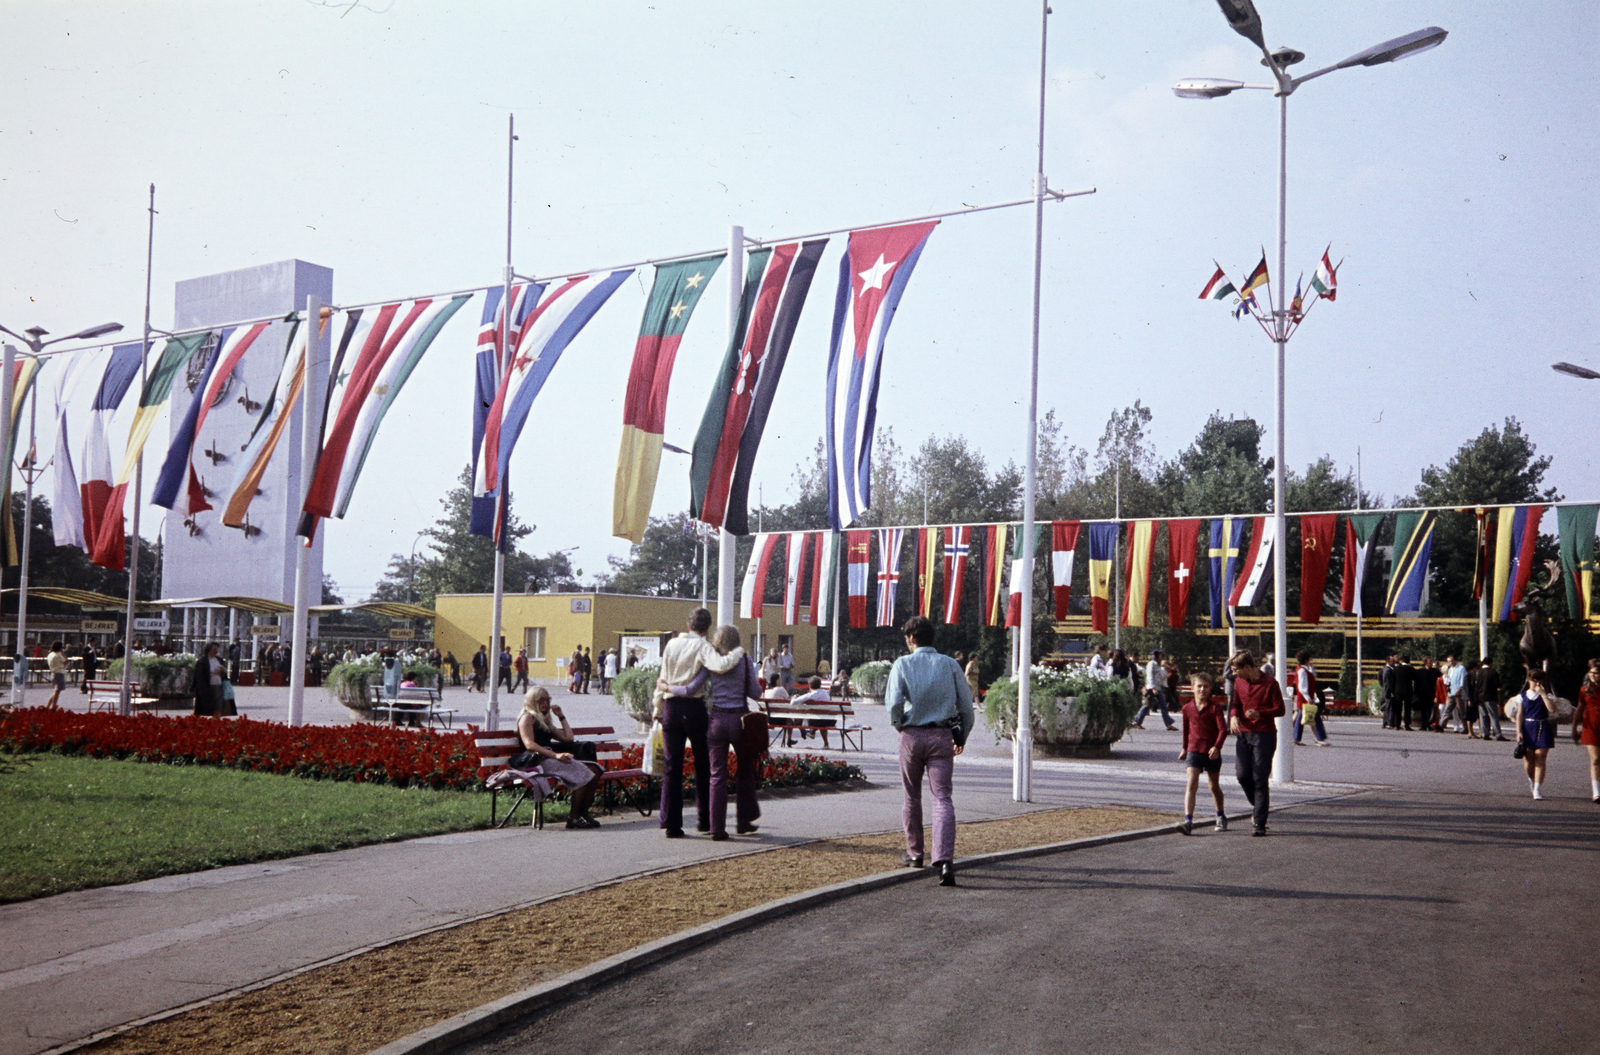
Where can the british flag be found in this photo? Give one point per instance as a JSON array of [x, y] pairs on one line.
[[889, 540]]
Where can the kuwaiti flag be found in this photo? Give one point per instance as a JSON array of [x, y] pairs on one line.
[[1224, 556], [1141, 548], [673, 296], [95, 488], [1326, 278], [109, 544], [23, 374], [66, 512], [1413, 540], [824, 576], [1018, 555], [1219, 287], [561, 312], [775, 287], [873, 273], [1516, 535], [399, 337], [1063, 542], [1102, 551], [1359, 531], [957, 547], [889, 540], [1257, 564], [1182, 537], [753, 593], [178, 469], [928, 549], [793, 571], [270, 423], [1316, 547], [858, 546], [994, 562]]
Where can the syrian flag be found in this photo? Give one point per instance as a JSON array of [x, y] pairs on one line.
[[95, 489], [1359, 531], [1257, 563], [755, 576], [1326, 279], [889, 540], [873, 273], [1219, 287], [858, 546], [824, 576], [398, 337], [67, 501], [793, 572], [1063, 541], [557, 318], [957, 546], [178, 469], [777, 281]]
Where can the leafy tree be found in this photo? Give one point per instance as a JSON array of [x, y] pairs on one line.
[[665, 564], [69, 566], [330, 590]]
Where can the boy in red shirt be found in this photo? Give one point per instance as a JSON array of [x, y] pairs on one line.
[[1205, 727], [1257, 700]]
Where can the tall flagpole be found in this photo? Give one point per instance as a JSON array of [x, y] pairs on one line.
[[727, 546], [29, 470], [491, 717], [125, 698], [1282, 760], [310, 434], [8, 366], [1352, 572], [834, 585]]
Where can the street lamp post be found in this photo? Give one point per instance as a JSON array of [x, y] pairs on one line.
[[1242, 16], [30, 470]]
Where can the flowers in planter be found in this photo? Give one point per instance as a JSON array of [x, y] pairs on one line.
[[1103, 701]]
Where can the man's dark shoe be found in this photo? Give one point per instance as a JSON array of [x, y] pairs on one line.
[[1259, 832], [702, 826], [674, 833], [1185, 827], [748, 829], [910, 861], [719, 837], [947, 873]]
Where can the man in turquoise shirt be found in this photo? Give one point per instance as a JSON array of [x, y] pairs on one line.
[[930, 705]]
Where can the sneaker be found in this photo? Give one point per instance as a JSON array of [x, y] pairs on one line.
[[1222, 822], [1323, 743], [1538, 794], [1185, 827], [1259, 832]]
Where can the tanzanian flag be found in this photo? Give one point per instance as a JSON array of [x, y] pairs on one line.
[[1102, 551], [1576, 525], [1413, 540]]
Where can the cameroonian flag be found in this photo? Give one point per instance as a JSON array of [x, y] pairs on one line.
[[109, 544], [1413, 540], [1576, 525], [673, 296], [1141, 543], [1102, 551]]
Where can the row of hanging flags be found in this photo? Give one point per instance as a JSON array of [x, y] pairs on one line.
[[1238, 549]]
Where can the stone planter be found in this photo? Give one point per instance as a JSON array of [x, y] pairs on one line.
[[1072, 733], [167, 684]]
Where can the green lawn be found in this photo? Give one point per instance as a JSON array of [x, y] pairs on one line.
[[67, 823]]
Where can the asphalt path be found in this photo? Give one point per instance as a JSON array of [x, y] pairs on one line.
[[1446, 916]]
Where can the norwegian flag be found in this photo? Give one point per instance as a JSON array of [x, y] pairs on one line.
[[957, 545], [872, 277], [889, 540]]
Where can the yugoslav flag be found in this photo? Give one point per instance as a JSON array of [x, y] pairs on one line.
[[1102, 551], [872, 278], [755, 576], [957, 546], [560, 313], [178, 469], [1257, 563], [889, 540]]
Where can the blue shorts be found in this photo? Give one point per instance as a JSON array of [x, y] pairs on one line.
[[1202, 760]]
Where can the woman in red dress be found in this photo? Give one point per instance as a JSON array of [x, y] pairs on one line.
[[1586, 725]]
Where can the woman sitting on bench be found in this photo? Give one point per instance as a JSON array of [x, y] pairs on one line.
[[541, 739]]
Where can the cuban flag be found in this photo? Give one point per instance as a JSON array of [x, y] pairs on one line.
[[957, 547], [889, 540], [559, 312], [872, 277]]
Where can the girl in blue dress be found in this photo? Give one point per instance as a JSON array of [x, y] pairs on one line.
[[1536, 729]]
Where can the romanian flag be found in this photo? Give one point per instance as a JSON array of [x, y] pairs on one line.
[[1141, 544], [109, 544], [858, 552], [1219, 286], [673, 296], [1413, 540], [1102, 551], [1316, 547], [1063, 541], [1515, 537], [755, 576], [994, 562], [928, 552], [1576, 525], [1182, 537]]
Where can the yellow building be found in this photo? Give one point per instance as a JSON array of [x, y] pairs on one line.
[[550, 625]]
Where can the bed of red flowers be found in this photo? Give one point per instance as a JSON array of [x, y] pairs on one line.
[[373, 754]]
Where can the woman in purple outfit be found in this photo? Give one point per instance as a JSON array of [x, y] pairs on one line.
[[728, 701]]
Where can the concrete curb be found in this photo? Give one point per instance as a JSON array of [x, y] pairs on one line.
[[445, 1036]]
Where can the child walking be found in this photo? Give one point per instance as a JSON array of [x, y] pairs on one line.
[[1205, 728]]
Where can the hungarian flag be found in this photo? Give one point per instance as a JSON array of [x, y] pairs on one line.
[[957, 546], [1257, 564], [95, 490], [1102, 551], [1576, 526], [24, 371], [873, 273], [927, 565], [110, 545], [777, 281], [1063, 541], [673, 296], [1326, 279], [269, 427], [793, 570], [1316, 547], [1483, 562], [1018, 555], [1182, 538], [824, 576], [1141, 546], [1224, 557], [399, 336], [994, 557], [178, 472], [1360, 530], [889, 540], [1517, 533], [858, 547], [1219, 287], [755, 575], [1413, 540]]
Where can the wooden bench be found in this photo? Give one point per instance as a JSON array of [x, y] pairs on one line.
[[785, 717], [107, 696], [496, 750], [414, 705]]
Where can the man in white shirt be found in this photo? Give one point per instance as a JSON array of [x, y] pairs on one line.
[[1155, 693], [685, 718], [1098, 660]]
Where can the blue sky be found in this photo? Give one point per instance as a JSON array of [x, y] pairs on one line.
[[1458, 187]]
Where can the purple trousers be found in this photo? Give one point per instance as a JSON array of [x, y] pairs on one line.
[[930, 750], [685, 719], [727, 730]]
